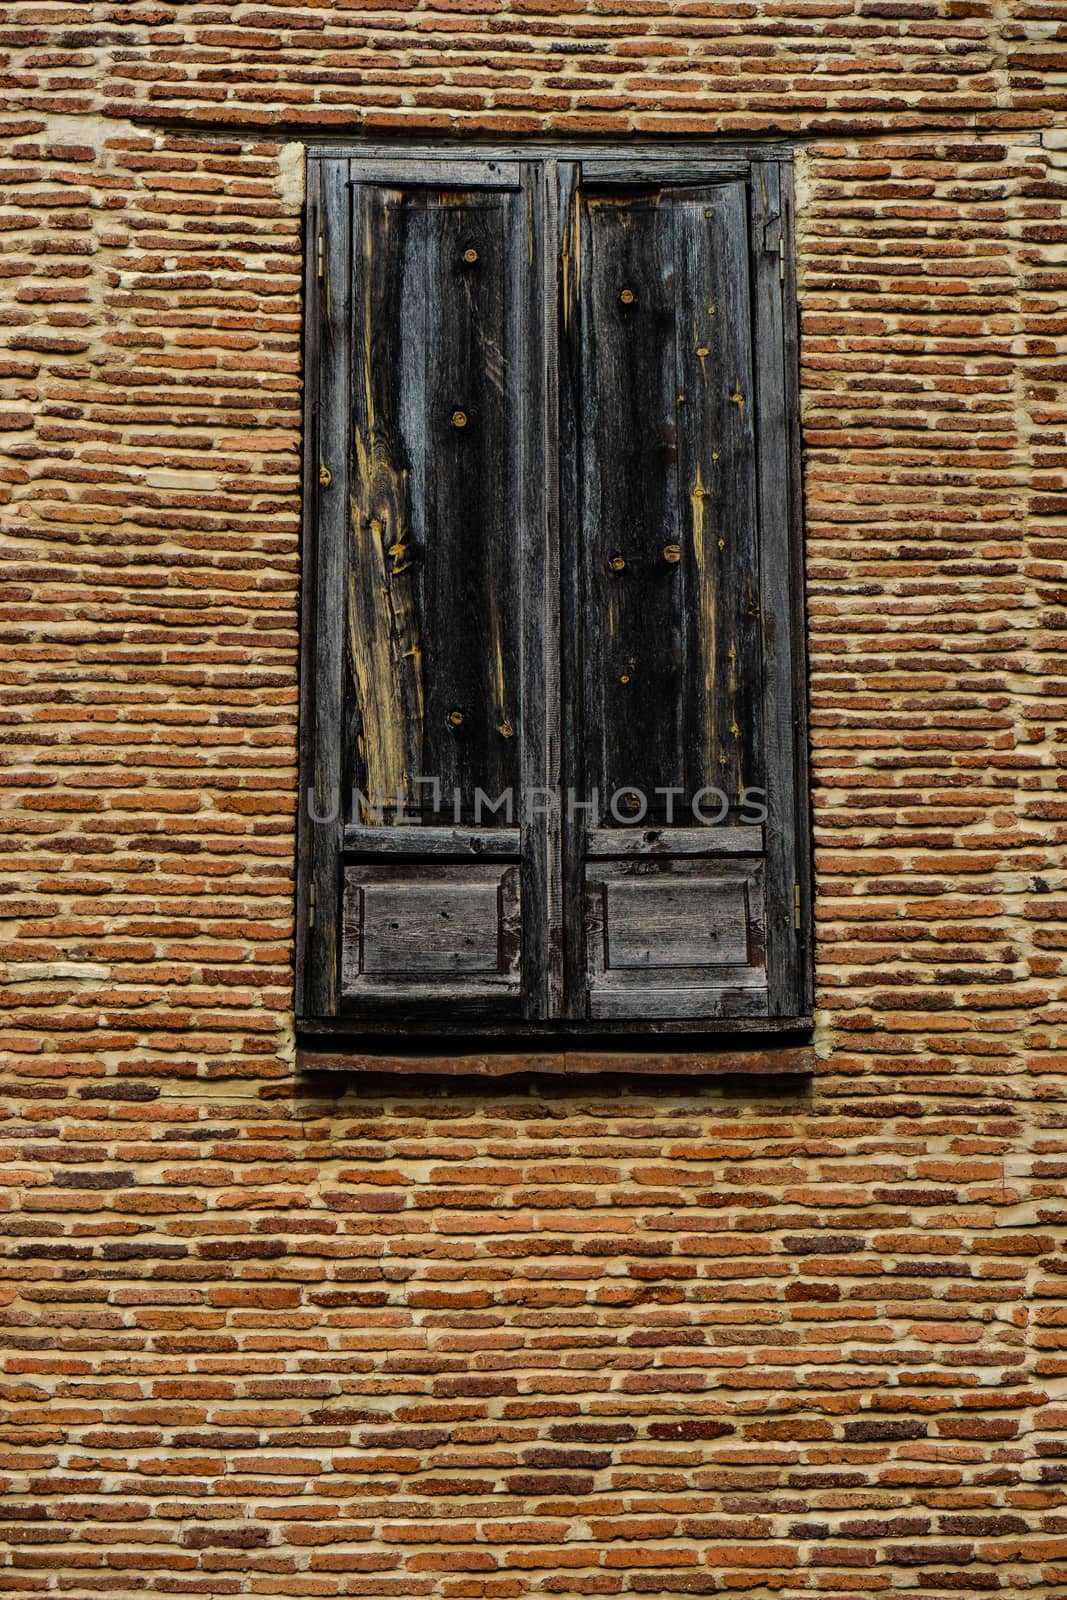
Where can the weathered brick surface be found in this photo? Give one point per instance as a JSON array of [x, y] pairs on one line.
[[285, 1338]]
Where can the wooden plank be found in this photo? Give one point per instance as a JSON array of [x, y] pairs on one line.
[[471, 632], [803, 865], [630, 598], [426, 171], [329, 488], [402, 930], [687, 924], [432, 935], [532, 334], [434, 1010], [407, 922], [670, 922], [427, 1026], [384, 644], [680, 169], [567, 323], [433, 530], [709, 154], [678, 1002], [777, 1060], [416, 840], [711, 841], [304, 929], [785, 954], [708, 975], [722, 729]]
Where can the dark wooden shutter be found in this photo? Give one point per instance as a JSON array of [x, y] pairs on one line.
[[682, 870], [425, 713], [552, 734]]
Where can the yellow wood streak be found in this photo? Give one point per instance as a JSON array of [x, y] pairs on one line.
[[706, 587], [566, 260], [383, 639], [368, 317], [572, 258], [499, 677], [383, 634], [731, 689]]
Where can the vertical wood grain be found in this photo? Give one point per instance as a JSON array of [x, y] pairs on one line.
[[472, 494], [631, 614], [330, 500], [384, 644], [433, 602], [532, 332], [304, 926], [566, 240], [722, 724], [785, 950]]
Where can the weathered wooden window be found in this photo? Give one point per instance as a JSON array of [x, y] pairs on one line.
[[553, 762]]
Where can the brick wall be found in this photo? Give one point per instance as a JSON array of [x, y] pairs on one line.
[[273, 1336]]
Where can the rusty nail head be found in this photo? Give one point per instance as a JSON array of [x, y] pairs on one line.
[[616, 563], [627, 297], [459, 419], [455, 718], [672, 553], [470, 255]]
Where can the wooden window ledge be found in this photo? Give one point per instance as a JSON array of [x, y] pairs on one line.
[[770, 1060]]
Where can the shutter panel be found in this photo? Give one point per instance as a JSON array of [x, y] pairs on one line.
[[552, 747], [670, 889], [420, 705]]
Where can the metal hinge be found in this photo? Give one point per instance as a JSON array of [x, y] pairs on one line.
[[320, 256], [311, 905], [781, 259]]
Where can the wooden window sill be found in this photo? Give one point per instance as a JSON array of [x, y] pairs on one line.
[[710, 1060]]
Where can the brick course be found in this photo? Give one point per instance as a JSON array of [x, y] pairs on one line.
[[287, 1336]]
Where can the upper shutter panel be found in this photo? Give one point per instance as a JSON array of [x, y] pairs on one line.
[[672, 885], [433, 617], [421, 521]]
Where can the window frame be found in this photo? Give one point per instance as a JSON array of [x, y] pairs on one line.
[[768, 172]]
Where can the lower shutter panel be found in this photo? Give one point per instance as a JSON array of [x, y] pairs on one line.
[[676, 936], [440, 934]]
